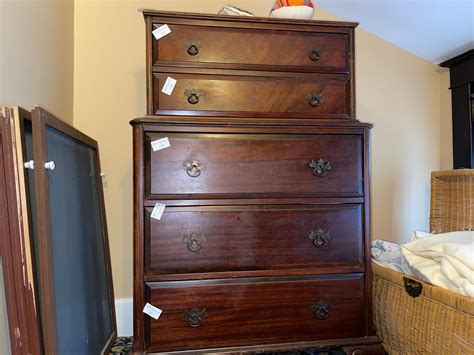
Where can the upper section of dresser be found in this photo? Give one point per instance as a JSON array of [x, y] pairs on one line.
[[250, 67]]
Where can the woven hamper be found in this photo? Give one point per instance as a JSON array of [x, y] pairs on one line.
[[431, 320]]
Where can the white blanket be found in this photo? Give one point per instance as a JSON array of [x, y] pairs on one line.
[[445, 260]]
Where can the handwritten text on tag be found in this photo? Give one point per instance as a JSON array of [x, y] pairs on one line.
[[158, 211], [160, 144], [161, 31], [169, 86], [152, 311]]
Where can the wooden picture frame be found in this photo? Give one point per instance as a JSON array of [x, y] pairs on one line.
[[15, 239], [41, 120], [26, 245]]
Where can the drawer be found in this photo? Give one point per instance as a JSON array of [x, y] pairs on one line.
[[277, 50], [285, 96], [237, 238], [254, 165], [209, 314]]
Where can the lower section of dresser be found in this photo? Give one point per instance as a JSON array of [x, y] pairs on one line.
[[357, 346], [254, 311]]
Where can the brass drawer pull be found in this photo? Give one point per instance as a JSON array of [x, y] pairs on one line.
[[193, 241], [315, 99], [314, 53], [193, 49], [320, 238], [320, 167], [195, 316], [412, 287], [321, 310], [194, 168], [193, 95]]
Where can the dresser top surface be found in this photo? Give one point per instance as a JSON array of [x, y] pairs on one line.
[[247, 19]]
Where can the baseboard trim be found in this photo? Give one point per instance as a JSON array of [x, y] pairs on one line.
[[124, 315]]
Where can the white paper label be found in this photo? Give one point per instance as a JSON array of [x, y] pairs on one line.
[[169, 86], [152, 311], [161, 31], [158, 211], [160, 144]]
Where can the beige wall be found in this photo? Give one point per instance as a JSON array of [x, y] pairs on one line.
[[36, 67], [37, 53], [397, 91]]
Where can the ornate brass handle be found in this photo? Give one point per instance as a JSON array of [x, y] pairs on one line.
[[321, 310], [193, 49], [320, 238], [314, 54], [320, 167], [194, 168], [193, 241], [193, 96], [315, 99], [195, 316]]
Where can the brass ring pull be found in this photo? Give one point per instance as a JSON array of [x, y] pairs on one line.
[[193, 99], [193, 241], [320, 167], [193, 49], [315, 99], [321, 310], [195, 316], [194, 168], [320, 238], [314, 54], [193, 96]]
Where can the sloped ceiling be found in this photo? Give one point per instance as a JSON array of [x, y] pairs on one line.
[[435, 30]]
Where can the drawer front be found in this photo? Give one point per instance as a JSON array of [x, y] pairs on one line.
[[207, 46], [212, 314], [237, 238], [199, 94], [253, 165]]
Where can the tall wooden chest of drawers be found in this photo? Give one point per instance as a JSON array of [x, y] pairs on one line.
[[263, 173]]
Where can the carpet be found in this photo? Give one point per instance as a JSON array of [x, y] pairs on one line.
[[123, 345]]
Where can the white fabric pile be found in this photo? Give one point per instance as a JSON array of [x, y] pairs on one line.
[[231, 10], [445, 260]]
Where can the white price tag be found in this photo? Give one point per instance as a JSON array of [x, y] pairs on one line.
[[169, 86], [152, 311], [161, 31], [158, 211], [160, 144]]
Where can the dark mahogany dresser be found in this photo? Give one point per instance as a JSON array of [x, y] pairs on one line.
[[251, 188]]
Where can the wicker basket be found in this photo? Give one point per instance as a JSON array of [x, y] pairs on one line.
[[452, 201], [431, 320]]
